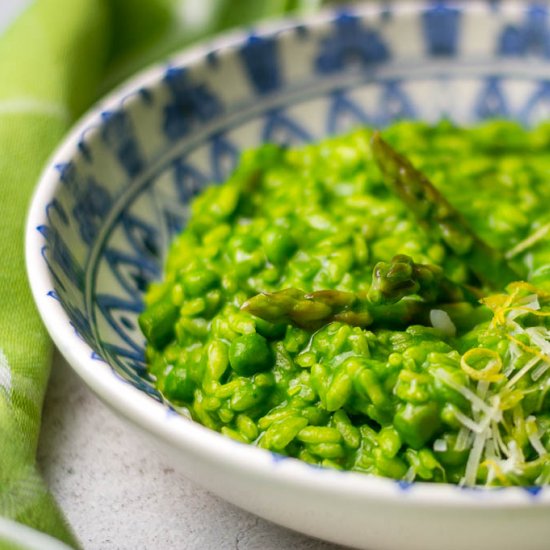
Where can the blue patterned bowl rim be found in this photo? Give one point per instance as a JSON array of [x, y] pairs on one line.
[[178, 431]]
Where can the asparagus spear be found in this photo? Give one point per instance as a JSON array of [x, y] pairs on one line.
[[313, 310], [439, 217], [402, 277], [382, 305], [309, 310]]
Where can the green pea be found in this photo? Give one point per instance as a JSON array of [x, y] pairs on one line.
[[279, 245], [198, 281], [178, 385], [271, 331], [250, 353], [157, 322]]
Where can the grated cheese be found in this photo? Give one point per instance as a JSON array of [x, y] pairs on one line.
[[488, 433]]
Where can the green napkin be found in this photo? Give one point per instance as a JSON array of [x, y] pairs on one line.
[[54, 61]]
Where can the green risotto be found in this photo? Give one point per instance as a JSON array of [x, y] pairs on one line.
[[361, 310]]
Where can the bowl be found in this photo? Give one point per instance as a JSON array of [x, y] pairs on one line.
[[17, 536], [118, 189]]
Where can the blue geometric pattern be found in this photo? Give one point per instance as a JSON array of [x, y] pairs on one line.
[[188, 180], [539, 100], [224, 157], [282, 129], [190, 105], [57, 253], [341, 111], [530, 37], [349, 43], [395, 104], [118, 134], [259, 56], [441, 29], [126, 188], [492, 102]]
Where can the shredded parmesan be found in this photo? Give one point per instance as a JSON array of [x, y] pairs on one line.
[[522, 372], [533, 435], [463, 390], [467, 422], [440, 320], [463, 439], [540, 371], [490, 431], [474, 459], [410, 475], [529, 242]]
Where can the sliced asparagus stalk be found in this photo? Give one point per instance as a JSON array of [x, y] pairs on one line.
[[384, 304], [439, 217]]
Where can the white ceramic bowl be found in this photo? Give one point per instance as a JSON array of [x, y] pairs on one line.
[[16, 536], [117, 190]]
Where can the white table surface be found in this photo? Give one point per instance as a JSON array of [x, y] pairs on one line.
[[118, 493]]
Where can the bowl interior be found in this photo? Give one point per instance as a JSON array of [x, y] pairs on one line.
[[124, 179]]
